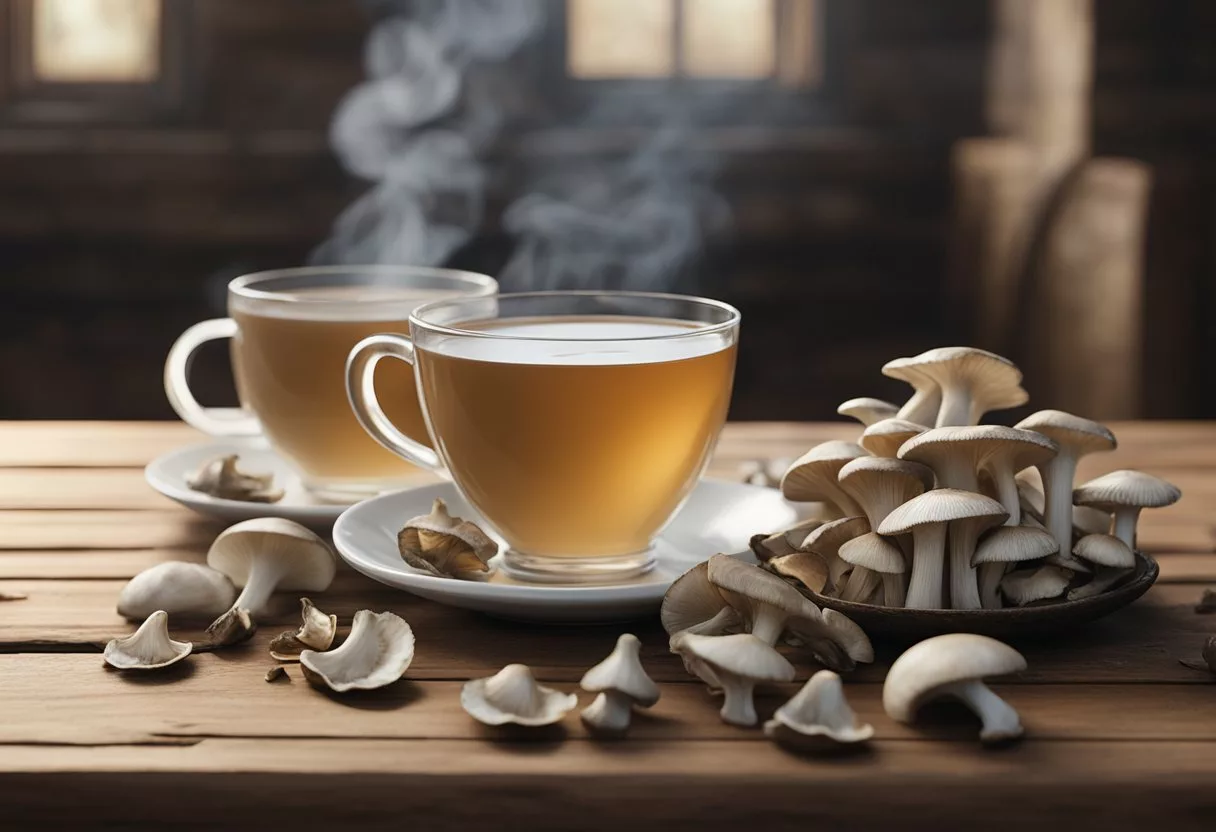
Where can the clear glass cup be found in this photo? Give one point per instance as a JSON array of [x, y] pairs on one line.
[[291, 332], [576, 423]]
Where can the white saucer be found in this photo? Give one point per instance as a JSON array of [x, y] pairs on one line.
[[168, 473], [718, 517]]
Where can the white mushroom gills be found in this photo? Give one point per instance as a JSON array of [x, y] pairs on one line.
[[739, 662]]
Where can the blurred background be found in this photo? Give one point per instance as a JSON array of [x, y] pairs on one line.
[[864, 178]]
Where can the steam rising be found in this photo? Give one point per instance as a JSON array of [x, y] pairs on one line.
[[441, 87]]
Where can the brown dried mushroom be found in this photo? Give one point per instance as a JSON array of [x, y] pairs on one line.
[[317, 632], [221, 478], [446, 546]]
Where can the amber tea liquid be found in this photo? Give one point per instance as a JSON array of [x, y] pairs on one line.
[[577, 448], [291, 372]]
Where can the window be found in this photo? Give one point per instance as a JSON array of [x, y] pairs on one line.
[[735, 40], [95, 41]]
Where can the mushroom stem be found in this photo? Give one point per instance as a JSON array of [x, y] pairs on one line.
[[964, 590], [999, 720], [958, 471], [1103, 579], [770, 621], [956, 408], [739, 708], [725, 619], [893, 594], [922, 408], [990, 585], [1003, 476], [1126, 518], [862, 582], [264, 576], [1058, 475], [610, 712], [925, 586]]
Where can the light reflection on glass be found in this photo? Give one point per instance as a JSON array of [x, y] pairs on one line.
[[729, 38], [620, 38], [101, 41]]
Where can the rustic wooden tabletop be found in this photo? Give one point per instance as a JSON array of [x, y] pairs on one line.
[[1120, 735]]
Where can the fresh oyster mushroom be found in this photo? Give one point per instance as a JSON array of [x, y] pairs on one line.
[[739, 662], [1124, 494], [620, 682], [1003, 547], [377, 652], [269, 554], [185, 590], [883, 439], [955, 666], [812, 477], [221, 478], [445, 546], [972, 382], [826, 541], [512, 696], [148, 648], [1026, 587], [692, 603], [925, 402], [317, 631], [785, 542], [1112, 558], [818, 718], [867, 410]]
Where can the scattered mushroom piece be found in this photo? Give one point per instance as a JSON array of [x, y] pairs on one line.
[[1207, 602], [885, 438], [692, 603], [148, 648], [812, 477], [818, 717], [13, 596], [1076, 437], [221, 478], [184, 590], [269, 554], [445, 546], [826, 541], [621, 682], [868, 411], [1021, 449], [317, 631], [377, 652], [926, 401], [1113, 558], [972, 382], [739, 662], [1002, 547], [876, 560], [1209, 657], [954, 666], [276, 673], [927, 517], [808, 569], [1124, 494], [1027, 586], [512, 696], [233, 627], [784, 542]]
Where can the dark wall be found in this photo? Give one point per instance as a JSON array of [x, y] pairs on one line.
[[112, 240]]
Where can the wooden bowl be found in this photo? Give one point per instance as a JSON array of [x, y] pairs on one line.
[[904, 625]]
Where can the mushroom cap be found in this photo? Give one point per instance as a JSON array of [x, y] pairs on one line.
[[186, 590], [867, 410], [1022, 449], [942, 505], [741, 655], [874, 479], [691, 600], [995, 382], [309, 561], [1027, 586], [885, 438], [925, 668], [1105, 550], [819, 710], [848, 634], [753, 583], [976, 443], [828, 538], [807, 568], [512, 695], [1126, 489], [622, 672], [1013, 544], [873, 551], [908, 369], [804, 480], [148, 648], [1073, 434], [377, 652]]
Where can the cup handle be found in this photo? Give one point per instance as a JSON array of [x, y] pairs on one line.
[[361, 390], [177, 383]]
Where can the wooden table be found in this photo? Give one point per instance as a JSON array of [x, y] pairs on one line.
[[1120, 735]]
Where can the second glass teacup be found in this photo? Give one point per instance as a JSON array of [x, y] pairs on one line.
[[576, 423]]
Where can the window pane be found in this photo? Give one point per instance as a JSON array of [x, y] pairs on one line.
[[729, 38], [96, 40], [620, 38]]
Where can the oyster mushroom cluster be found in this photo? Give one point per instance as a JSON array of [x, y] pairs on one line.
[[725, 618], [932, 510]]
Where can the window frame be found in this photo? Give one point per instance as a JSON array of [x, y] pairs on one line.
[[27, 99]]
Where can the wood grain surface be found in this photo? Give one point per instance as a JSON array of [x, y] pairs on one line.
[[1120, 735]]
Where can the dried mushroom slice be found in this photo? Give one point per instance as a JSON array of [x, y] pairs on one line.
[[445, 546], [233, 627], [317, 632], [221, 478]]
